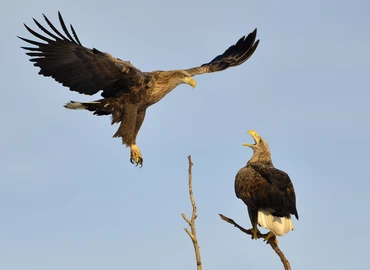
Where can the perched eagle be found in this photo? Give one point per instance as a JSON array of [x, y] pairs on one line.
[[267, 191], [127, 92]]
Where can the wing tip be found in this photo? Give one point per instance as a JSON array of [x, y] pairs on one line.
[[256, 43]]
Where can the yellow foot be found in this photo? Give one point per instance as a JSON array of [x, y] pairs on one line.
[[254, 232], [271, 237], [136, 157]]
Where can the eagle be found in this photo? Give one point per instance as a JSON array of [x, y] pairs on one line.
[[127, 92], [268, 192]]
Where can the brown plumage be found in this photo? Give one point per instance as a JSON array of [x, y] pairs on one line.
[[267, 192], [127, 92]]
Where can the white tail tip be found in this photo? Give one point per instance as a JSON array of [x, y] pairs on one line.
[[278, 225], [73, 105]]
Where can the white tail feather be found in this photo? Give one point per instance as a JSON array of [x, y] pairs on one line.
[[278, 225], [73, 105]]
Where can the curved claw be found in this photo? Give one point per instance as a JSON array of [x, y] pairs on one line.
[[136, 157], [137, 163]]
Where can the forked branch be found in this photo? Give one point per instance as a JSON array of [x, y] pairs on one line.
[[191, 222], [272, 241]]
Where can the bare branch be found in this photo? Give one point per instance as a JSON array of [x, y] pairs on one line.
[[271, 241], [189, 233], [191, 222], [186, 219]]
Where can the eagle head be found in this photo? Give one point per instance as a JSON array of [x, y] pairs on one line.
[[184, 77], [261, 150]]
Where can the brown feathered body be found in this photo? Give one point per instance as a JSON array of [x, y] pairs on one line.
[[129, 109], [127, 92], [268, 192]]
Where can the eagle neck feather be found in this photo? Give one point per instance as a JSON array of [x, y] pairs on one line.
[[261, 157], [165, 84]]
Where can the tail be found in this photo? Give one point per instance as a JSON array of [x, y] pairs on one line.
[[99, 107], [278, 225], [73, 105]]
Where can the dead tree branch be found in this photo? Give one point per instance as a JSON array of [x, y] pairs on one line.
[[191, 222], [272, 241]]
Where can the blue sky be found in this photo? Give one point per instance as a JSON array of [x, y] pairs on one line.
[[70, 199]]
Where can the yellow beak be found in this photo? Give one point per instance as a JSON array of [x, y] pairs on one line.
[[190, 81], [255, 136]]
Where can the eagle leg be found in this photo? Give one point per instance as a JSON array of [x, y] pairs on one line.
[[136, 157], [253, 215], [272, 236]]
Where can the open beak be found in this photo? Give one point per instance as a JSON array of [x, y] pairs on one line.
[[255, 137], [190, 81]]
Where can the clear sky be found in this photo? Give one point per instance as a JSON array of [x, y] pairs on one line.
[[70, 199]]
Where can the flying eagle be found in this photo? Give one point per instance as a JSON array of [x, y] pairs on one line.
[[127, 92], [267, 192]]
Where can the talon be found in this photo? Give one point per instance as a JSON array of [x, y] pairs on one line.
[[255, 233], [136, 157], [271, 236]]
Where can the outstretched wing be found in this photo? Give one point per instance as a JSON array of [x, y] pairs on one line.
[[83, 70], [235, 55], [276, 190]]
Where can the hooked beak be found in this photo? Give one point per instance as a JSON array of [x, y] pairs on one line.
[[190, 81], [255, 137]]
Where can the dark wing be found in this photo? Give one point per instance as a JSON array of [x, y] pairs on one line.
[[277, 190], [235, 55], [261, 187], [81, 69]]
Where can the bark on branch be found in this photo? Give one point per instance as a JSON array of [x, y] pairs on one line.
[[191, 222], [272, 241]]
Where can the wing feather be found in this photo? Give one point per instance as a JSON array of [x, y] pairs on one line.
[[280, 189], [44, 29], [75, 35], [235, 55], [261, 187], [81, 69], [53, 27], [65, 28], [37, 34]]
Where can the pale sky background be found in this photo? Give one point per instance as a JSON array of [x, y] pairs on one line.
[[70, 198]]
